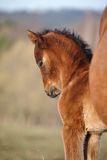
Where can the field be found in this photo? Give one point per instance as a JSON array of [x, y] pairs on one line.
[[18, 142], [29, 129]]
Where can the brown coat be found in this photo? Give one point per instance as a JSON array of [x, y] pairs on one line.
[[64, 60], [98, 72]]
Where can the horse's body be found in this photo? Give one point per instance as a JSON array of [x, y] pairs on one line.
[[64, 61], [98, 72]]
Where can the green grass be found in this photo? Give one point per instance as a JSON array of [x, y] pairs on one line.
[[30, 143]]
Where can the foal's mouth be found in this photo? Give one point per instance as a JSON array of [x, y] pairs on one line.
[[53, 93]]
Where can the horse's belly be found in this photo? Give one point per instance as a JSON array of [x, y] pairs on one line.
[[92, 120]]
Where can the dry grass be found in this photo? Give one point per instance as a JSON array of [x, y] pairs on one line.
[[23, 103], [21, 89], [21, 142], [18, 142]]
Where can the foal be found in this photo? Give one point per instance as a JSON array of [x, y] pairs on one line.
[[64, 60]]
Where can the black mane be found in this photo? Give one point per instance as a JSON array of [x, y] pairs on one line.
[[83, 45]]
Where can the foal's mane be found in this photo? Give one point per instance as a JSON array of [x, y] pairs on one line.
[[73, 36]]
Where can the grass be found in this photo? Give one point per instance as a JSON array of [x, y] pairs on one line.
[[19, 142], [103, 148], [5, 42], [10, 23], [30, 143]]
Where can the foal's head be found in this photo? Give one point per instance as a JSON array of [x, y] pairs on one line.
[[59, 54]]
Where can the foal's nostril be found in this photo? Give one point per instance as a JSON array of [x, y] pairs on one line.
[[51, 89], [52, 92]]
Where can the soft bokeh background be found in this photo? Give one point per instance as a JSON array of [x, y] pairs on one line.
[[30, 127]]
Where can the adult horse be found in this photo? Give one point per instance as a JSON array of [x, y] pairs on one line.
[[64, 60], [98, 72]]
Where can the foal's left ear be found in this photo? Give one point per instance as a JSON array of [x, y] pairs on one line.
[[33, 36]]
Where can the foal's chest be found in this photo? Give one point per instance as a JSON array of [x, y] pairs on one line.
[[70, 110]]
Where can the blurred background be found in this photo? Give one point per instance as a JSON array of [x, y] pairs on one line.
[[30, 126]]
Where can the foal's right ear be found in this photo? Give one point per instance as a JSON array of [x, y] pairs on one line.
[[32, 36], [103, 23]]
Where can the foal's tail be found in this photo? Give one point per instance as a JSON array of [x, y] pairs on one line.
[[85, 145], [93, 138]]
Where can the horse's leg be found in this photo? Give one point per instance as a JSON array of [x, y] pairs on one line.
[[93, 146], [73, 143]]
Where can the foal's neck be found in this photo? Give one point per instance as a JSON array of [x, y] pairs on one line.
[[80, 81], [78, 75]]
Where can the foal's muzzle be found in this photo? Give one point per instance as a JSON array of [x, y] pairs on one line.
[[53, 92]]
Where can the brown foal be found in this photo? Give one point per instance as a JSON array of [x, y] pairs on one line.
[[64, 60]]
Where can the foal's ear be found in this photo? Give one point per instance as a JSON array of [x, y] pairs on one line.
[[32, 36], [103, 23]]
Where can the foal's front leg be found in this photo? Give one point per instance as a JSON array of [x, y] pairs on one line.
[[73, 142]]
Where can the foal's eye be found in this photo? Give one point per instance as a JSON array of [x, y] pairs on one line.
[[40, 63]]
